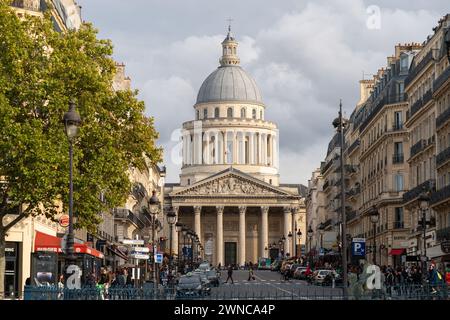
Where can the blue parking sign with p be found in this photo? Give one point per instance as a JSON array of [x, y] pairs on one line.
[[359, 247]]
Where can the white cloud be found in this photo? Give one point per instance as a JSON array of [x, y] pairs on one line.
[[305, 56]]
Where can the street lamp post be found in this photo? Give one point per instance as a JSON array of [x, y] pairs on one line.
[[299, 237], [290, 239], [71, 121], [310, 234], [424, 201], [171, 219], [179, 226], [184, 230], [339, 124], [154, 207], [321, 232], [283, 240], [374, 217]]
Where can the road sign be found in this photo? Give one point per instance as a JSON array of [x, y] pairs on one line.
[[64, 220], [135, 242], [140, 256], [359, 247], [141, 249], [321, 252], [159, 258]]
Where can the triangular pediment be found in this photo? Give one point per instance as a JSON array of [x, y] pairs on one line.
[[232, 182]]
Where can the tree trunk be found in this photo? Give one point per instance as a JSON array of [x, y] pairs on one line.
[[2, 260]]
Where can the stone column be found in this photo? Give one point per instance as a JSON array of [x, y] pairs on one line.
[[225, 146], [270, 146], [242, 148], [235, 148], [174, 233], [287, 225], [216, 147], [260, 161], [242, 230], [251, 151], [199, 148], [219, 236], [197, 221], [263, 149], [264, 231], [207, 151]]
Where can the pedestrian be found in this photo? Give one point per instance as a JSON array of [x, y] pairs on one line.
[[251, 275], [230, 274], [61, 287]]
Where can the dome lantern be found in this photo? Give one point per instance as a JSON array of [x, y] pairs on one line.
[[229, 51]]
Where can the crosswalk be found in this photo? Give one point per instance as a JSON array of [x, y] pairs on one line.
[[261, 282]]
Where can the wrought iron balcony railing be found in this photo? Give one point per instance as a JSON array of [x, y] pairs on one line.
[[428, 185], [443, 118], [443, 157]]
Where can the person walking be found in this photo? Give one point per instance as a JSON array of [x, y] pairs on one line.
[[251, 275], [230, 274]]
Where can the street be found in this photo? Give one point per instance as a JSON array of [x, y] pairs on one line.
[[269, 285]]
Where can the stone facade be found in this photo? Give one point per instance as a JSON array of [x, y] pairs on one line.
[[229, 191]]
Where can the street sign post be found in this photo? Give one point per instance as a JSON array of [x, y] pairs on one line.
[[359, 247], [158, 257], [133, 242], [140, 256]]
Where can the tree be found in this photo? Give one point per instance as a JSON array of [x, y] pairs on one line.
[[41, 70]]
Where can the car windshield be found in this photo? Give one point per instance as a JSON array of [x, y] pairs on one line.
[[192, 281], [211, 273], [204, 266], [324, 272]]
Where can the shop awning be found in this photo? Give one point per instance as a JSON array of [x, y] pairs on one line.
[[397, 252], [46, 242]]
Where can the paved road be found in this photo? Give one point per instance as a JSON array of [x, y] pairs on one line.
[[270, 285]]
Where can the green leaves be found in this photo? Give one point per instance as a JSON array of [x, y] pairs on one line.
[[40, 71]]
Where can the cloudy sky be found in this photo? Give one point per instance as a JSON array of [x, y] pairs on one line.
[[304, 55]]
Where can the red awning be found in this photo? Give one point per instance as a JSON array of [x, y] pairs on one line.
[[46, 242], [397, 252]]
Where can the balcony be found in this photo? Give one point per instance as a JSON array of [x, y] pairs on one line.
[[428, 185], [398, 158], [415, 107], [443, 157], [418, 147], [351, 215], [27, 5], [443, 234], [326, 166], [441, 79], [440, 195], [419, 67], [399, 224], [354, 145], [397, 126], [125, 214], [373, 113], [443, 118], [326, 185]]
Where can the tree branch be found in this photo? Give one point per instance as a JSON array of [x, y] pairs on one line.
[[12, 223]]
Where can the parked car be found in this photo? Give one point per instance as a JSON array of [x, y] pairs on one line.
[[292, 269], [213, 276], [204, 266], [321, 276], [300, 273], [191, 285]]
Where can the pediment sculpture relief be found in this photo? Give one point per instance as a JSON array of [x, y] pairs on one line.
[[229, 185]]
